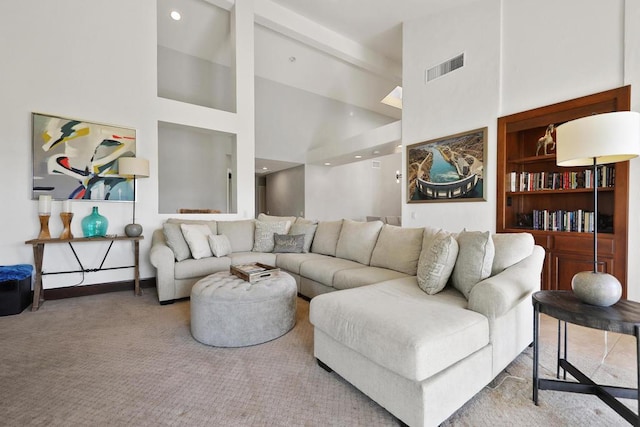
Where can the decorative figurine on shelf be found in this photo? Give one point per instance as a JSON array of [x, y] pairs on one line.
[[546, 141], [94, 224]]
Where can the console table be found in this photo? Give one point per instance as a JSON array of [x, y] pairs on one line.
[[38, 256], [622, 317]]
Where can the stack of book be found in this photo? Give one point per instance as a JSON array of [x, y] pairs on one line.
[[536, 181], [559, 220]]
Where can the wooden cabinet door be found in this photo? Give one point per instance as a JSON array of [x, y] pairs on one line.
[[565, 265]]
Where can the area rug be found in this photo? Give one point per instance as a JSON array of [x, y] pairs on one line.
[[116, 359]]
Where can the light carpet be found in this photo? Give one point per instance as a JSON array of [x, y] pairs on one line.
[[115, 359]]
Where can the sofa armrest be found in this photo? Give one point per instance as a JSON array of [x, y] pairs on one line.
[[498, 294], [163, 259]]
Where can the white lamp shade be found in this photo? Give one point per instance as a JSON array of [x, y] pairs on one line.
[[608, 137], [130, 166]]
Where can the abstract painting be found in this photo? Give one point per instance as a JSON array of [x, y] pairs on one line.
[[76, 159], [447, 169]]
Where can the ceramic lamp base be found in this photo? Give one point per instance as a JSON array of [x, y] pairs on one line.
[[133, 230], [599, 289]]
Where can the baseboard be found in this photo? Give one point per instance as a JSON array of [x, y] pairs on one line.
[[101, 288]]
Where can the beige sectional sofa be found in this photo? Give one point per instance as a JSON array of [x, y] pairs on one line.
[[423, 318], [342, 254]]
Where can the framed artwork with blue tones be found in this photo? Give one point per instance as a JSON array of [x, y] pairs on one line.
[[449, 169], [77, 159]]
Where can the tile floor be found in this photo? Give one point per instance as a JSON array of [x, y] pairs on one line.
[[594, 349]]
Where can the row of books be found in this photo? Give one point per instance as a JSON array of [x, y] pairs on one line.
[[536, 181], [559, 220]]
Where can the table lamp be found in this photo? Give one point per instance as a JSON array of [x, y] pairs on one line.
[[591, 141], [134, 167]]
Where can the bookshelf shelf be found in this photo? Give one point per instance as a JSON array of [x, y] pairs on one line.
[[537, 196]]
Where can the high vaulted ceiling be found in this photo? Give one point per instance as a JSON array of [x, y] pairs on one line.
[[346, 50], [376, 24]]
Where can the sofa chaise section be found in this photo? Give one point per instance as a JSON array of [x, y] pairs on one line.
[[422, 356]]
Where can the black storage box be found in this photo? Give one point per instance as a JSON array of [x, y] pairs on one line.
[[15, 289]]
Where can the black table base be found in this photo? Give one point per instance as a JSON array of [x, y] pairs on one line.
[[623, 317]]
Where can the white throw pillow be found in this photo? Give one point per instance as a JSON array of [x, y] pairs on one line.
[[475, 259], [436, 262], [220, 245], [196, 237], [263, 238]]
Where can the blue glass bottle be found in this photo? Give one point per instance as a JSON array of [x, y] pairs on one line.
[[94, 224]]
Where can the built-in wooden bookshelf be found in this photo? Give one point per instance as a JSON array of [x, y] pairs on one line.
[[555, 204]]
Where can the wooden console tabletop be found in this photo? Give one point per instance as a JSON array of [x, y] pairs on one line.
[[38, 256]]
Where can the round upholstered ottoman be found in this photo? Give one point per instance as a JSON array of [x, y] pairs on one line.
[[227, 311]]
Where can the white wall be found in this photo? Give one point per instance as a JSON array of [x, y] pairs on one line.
[[89, 60], [84, 60], [194, 164], [463, 100], [519, 55], [632, 77], [353, 191], [554, 51]]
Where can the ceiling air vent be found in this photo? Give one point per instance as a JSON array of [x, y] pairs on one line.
[[445, 68], [375, 164]]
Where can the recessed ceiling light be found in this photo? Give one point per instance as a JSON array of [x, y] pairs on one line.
[[264, 168], [394, 98], [175, 15], [376, 151], [399, 146], [327, 164], [358, 156]]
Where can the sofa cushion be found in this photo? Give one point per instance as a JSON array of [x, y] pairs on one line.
[[292, 262], [393, 220], [197, 237], [196, 268], [475, 259], [308, 229], [272, 218], [355, 277], [175, 239], [220, 245], [510, 248], [288, 243], [250, 256], [240, 233], [326, 237], [300, 220], [264, 234], [399, 327], [386, 253], [437, 260], [323, 270], [357, 240]]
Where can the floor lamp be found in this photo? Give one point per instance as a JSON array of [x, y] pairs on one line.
[[134, 167], [591, 141]]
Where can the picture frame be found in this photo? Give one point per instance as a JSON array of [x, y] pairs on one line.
[[448, 169], [77, 159]]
